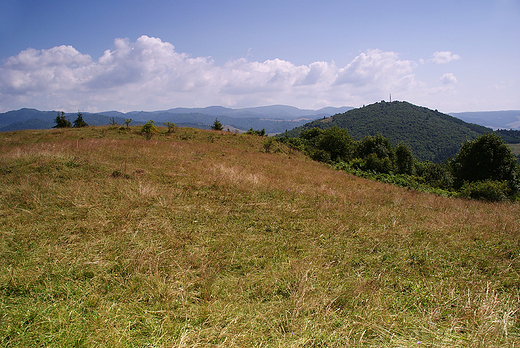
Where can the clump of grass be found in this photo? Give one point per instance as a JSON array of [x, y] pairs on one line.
[[210, 241], [120, 174]]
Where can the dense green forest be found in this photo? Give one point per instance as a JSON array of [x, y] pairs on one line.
[[484, 168], [510, 136], [430, 134]]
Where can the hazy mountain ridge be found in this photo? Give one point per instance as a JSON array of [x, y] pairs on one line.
[[16, 116], [507, 119], [33, 123], [274, 119], [19, 119]]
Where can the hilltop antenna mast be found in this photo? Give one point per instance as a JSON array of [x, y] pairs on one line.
[[390, 97]]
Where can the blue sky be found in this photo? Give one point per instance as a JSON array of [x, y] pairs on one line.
[[152, 55]]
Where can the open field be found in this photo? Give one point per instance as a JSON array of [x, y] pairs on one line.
[[515, 148], [200, 239]]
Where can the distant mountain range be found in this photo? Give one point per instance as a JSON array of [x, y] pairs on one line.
[[274, 119], [509, 119], [431, 135]]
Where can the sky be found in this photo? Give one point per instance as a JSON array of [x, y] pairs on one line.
[[92, 56]]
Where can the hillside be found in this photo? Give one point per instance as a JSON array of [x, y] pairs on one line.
[[23, 115], [507, 119], [200, 238], [32, 123], [432, 136]]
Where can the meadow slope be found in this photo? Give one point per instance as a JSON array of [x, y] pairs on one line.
[[200, 238]]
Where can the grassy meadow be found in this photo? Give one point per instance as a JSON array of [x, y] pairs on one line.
[[201, 239], [515, 148]]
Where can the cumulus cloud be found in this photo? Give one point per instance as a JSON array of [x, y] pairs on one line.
[[374, 67], [444, 57], [43, 71], [149, 74], [243, 77], [448, 79], [316, 72]]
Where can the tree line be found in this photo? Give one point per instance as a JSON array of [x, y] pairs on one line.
[[62, 122], [484, 168]]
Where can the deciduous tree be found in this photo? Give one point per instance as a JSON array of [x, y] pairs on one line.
[[404, 161], [337, 142], [485, 158]]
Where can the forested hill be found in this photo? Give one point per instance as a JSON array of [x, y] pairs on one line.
[[432, 135]]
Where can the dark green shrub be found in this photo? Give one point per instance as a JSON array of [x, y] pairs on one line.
[[337, 142], [378, 154], [320, 155], [485, 158], [376, 164], [434, 175], [311, 134], [149, 129], [404, 160], [260, 133], [378, 145], [357, 164], [310, 138], [488, 190], [295, 143]]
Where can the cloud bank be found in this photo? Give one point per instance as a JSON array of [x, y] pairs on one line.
[[149, 74]]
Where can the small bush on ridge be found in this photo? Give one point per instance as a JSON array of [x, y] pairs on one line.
[[149, 129]]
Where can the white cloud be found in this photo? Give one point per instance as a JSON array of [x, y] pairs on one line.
[[243, 77], [444, 57], [316, 72], [374, 68], [42, 71], [149, 74], [448, 79]]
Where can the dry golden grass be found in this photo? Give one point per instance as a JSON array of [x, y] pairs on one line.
[[198, 238]]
